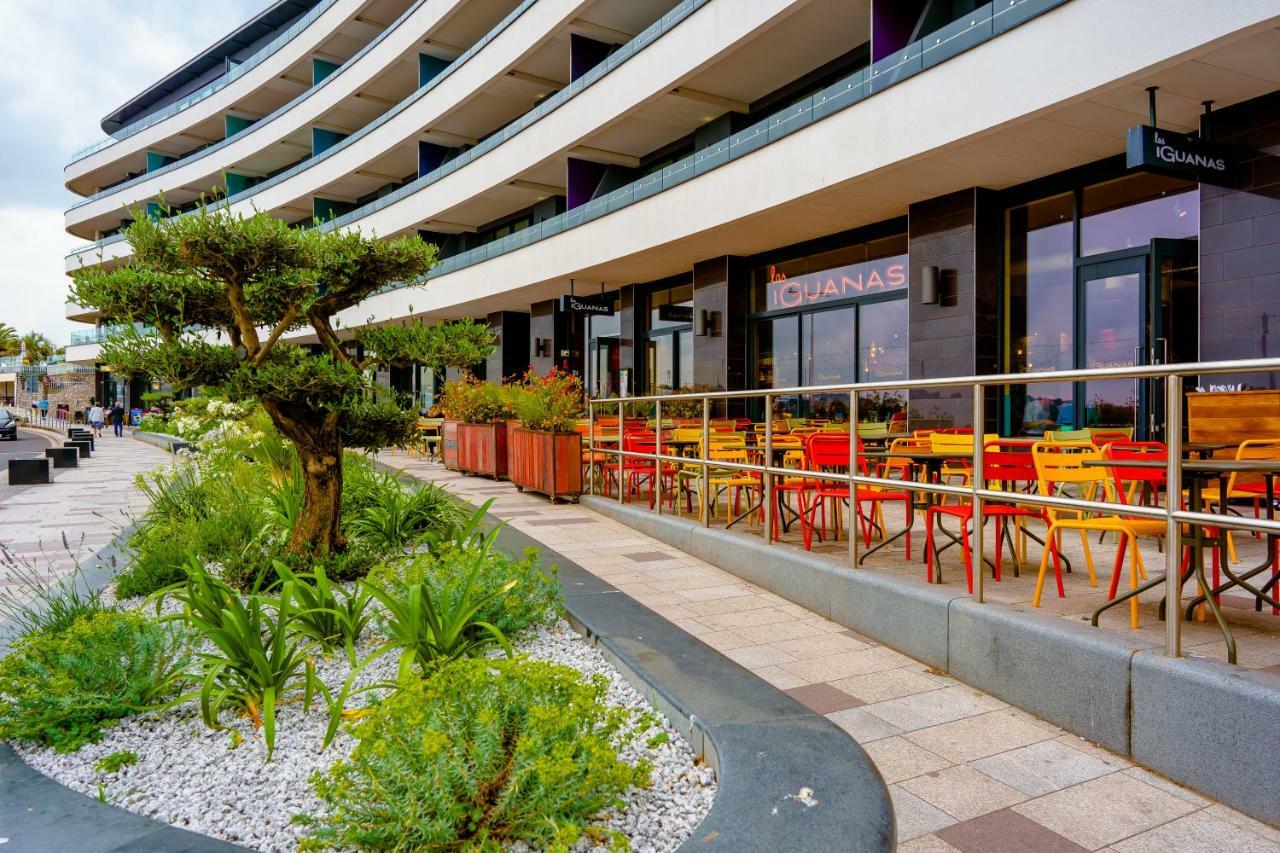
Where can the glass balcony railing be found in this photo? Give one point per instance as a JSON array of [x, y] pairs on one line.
[[355, 138], [223, 143], [101, 333], [983, 24], [200, 94]]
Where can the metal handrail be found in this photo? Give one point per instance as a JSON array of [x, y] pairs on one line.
[[1171, 513]]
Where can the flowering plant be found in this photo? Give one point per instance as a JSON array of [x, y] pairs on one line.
[[550, 403], [473, 401]]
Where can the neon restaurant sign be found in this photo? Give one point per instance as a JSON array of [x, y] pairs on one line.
[[864, 279]]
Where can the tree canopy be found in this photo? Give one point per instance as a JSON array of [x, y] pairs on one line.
[[207, 299]]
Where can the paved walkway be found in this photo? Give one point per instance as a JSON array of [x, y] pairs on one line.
[[966, 771], [52, 526]]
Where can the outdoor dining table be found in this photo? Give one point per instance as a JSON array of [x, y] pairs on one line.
[[1196, 473]]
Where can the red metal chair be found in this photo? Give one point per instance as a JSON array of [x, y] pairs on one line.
[[1006, 464], [830, 451]]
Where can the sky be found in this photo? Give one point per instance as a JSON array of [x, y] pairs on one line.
[[66, 63]]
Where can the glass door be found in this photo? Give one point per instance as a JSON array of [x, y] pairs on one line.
[[1111, 316]]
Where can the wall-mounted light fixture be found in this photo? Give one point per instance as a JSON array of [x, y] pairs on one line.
[[706, 322], [930, 285]]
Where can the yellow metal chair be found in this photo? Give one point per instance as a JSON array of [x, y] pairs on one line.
[[1242, 486], [1074, 435], [1061, 465]]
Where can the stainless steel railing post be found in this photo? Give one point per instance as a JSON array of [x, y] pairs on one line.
[[591, 446], [975, 482], [657, 463], [853, 487], [1173, 498], [767, 484], [622, 416], [706, 481]]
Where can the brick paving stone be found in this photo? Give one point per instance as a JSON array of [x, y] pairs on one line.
[[1005, 831], [823, 698]]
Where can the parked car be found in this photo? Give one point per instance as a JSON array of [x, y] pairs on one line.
[[8, 426]]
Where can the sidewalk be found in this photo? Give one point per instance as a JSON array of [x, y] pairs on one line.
[[87, 505], [967, 772]]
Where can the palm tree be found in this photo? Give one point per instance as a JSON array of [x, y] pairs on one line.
[[37, 348], [10, 343]]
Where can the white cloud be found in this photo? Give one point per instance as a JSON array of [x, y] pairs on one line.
[[33, 292], [65, 64]]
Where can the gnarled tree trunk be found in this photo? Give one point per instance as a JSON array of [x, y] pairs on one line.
[[315, 437]]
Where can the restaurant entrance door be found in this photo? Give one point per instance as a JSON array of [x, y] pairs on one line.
[[1133, 308]]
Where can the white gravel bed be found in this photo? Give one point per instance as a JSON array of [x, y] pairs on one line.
[[220, 784]]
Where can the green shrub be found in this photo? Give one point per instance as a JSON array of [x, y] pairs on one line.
[[255, 658], [116, 761], [36, 602], [159, 552], [327, 613], [61, 688], [428, 627], [484, 753], [534, 600]]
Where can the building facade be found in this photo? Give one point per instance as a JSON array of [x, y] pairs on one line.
[[757, 193]]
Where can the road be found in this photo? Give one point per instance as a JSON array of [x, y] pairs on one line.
[[29, 444]]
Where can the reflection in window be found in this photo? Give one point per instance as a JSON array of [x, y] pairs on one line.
[[830, 357], [882, 356], [684, 346], [1040, 293], [661, 362], [1128, 213], [777, 348]]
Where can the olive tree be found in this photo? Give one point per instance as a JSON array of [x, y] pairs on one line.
[[208, 299]]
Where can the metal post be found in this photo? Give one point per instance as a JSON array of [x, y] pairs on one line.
[[975, 483], [1173, 493], [768, 477], [657, 463], [622, 416], [853, 487], [591, 446], [706, 441]]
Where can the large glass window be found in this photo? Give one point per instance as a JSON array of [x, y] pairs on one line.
[[1128, 213], [669, 341], [1062, 313], [882, 356]]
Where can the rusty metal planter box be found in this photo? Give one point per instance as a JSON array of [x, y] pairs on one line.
[[482, 449], [449, 443], [546, 462]]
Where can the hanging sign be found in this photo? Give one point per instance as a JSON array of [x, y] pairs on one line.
[[599, 306], [675, 313], [864, 279], [1151, 149]]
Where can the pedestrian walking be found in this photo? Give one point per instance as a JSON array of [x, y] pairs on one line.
[[95, 420], [117, 418]]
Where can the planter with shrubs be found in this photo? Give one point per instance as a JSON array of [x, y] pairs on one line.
[[481, 410], [544, 450]]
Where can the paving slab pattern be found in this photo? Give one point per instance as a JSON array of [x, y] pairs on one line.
[[966, 771], [52, 526]]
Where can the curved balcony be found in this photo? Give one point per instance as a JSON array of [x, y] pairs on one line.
[[407, 118], [204, 166], [284, 37], [260, 73]]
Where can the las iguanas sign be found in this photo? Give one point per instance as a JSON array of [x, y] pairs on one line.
[[1154, 150]]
